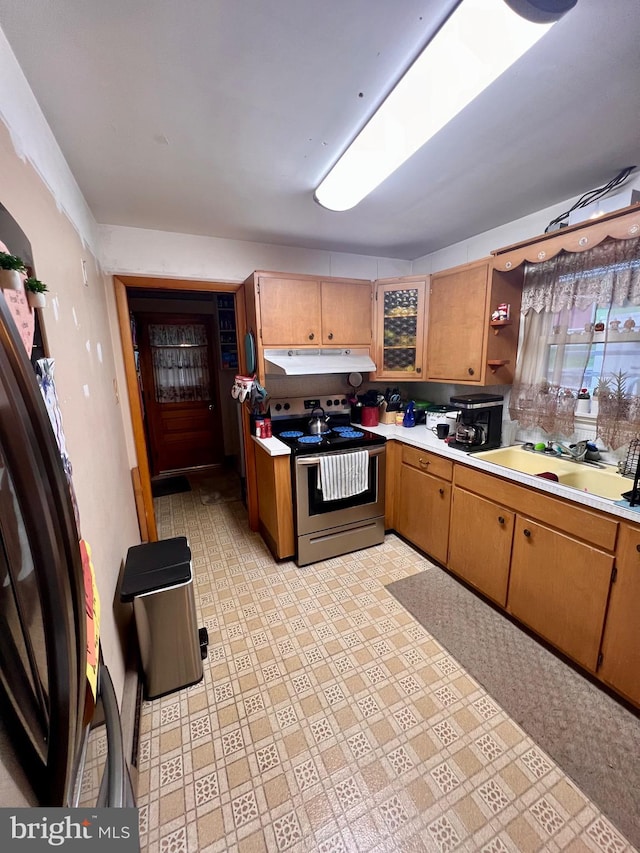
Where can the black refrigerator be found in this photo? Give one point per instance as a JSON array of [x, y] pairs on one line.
[[45, 705]]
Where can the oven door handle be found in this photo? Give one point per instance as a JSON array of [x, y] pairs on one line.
[[315, 460]]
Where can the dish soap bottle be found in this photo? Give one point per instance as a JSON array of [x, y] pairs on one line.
[[409, 419]]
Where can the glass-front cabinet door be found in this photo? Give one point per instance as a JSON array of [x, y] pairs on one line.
[[400, 309]]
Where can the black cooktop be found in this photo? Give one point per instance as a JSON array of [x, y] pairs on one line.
[[341, 436]]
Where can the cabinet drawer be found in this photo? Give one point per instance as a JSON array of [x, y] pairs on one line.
[[429, 462], [564, 515]]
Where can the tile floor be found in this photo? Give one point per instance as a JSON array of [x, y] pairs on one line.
[[329, 720]]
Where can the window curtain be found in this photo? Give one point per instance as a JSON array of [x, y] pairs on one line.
[[179, 355], [560, 298]]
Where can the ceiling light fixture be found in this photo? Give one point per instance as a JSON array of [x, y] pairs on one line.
[[477, 43]]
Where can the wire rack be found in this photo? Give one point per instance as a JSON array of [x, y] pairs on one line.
[[631, 468]]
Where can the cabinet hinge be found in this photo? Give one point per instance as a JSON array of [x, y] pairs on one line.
[[258, 287], [614, 574], [599, 663]]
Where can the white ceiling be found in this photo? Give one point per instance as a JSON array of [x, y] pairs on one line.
[[220, 117]]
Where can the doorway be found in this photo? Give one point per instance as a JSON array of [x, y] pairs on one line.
[[179, 391], [178, 299]]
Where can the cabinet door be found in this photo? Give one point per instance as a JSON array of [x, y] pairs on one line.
[[480, 543], [423, 511], [290, 312], [346, 313], [400, 313], [621, 641], [457, 324], [275, 505], [559, 588]]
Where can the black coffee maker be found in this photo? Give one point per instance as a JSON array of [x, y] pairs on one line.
[[479, 423]]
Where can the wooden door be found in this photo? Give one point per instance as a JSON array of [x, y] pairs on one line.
[[179, 391], [457, 324], [400, 316], [480, 544], [423, 511], [621, 641], [559, 588], [290, 312], [346, 313]]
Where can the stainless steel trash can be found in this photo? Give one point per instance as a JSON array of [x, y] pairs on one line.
[[158, 578]]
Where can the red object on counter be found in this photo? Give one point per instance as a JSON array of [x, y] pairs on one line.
[[370, 416]]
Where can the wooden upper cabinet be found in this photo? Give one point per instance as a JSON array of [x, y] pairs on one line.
[[290, 312], [463, 345], [400, 314], [346, 313], [310, 312], [456, 325]]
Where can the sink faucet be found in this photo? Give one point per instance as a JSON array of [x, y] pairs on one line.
[[577, 452]]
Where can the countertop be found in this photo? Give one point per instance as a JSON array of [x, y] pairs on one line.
[[420, 436]]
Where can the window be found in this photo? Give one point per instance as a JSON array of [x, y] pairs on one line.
[[581, 330]]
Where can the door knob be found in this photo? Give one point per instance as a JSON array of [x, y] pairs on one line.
[[210, 407]]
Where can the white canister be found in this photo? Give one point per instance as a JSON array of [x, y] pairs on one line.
[[441, 415]]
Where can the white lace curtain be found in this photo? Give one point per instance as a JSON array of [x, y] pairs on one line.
[[179, 355], [563, 345]]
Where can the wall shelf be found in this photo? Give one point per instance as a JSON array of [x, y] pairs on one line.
[[496, 325]]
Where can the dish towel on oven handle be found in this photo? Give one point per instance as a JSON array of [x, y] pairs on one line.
[[343, 475]]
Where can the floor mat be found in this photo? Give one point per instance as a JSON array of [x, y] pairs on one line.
[[591, 736], [169, 486]]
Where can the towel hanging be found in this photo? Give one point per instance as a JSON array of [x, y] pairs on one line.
[[343, 475]]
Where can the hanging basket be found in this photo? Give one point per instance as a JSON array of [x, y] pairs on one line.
[[10, 280], [36, 300]]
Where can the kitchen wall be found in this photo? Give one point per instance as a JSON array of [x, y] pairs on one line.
[[481, 245], [139, 251], [76, 326]]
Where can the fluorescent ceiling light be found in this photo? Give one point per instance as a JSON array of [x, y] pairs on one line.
[[479, 41]]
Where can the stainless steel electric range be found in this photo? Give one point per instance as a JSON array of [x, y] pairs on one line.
[[321, 427]]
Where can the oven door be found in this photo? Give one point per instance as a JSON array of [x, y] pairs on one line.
[[314, 514]]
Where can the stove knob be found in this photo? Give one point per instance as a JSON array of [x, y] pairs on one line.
[[336, 402], [344, 401], [287, 407], [329, 403], [278, 406]]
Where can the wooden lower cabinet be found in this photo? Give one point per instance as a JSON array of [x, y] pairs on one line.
[[559, 587], [275, 504], [423, 511], [620, 666], [480, 543]]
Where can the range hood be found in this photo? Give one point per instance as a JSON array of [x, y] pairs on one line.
[[304, 362]]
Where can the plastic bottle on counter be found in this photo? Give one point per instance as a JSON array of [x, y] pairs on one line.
[[409, 419]]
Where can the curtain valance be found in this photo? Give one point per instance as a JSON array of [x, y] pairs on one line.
[[608, 274]]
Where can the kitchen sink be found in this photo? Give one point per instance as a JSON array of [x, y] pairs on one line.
[[604, 482]]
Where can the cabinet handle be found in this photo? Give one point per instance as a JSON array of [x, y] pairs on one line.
[[330, 336], [637, 547], [526, 532], [418, 370], [311, 336], [423, 462], [470, 371], [441, 491], [500, 519]]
